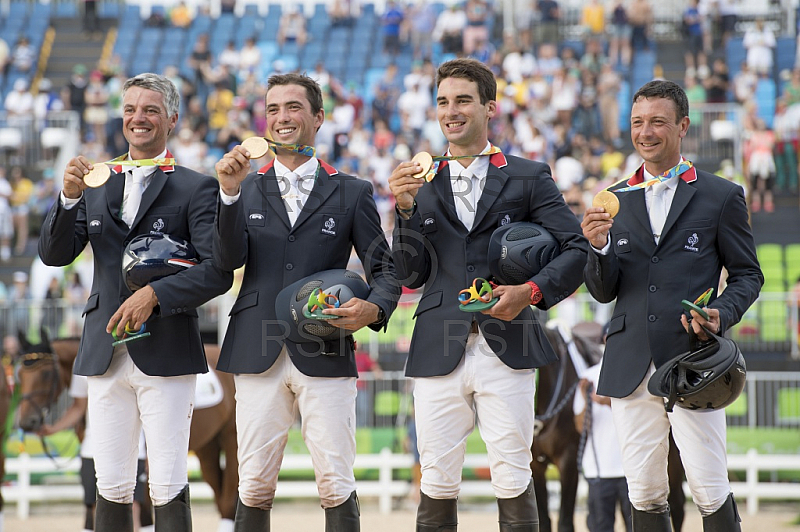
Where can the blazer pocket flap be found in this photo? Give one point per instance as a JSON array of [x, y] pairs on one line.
[[429, 301], [694, 224], [165, 209], [616, 325], [250, 299], [91, 303]]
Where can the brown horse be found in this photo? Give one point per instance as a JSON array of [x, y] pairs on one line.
[[46, 370], [557, 438]]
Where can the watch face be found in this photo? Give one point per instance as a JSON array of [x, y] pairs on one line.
[[536, 297]]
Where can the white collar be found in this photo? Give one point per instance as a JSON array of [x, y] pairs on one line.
[[308, 168], [147, 171], [479, 166], [671, 183]]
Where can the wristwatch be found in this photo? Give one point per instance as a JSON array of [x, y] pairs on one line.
[[536, 294], [381, 316]]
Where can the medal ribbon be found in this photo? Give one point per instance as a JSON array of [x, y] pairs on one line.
[[437, 160], [302, 149], [166, 161], [676, 170]]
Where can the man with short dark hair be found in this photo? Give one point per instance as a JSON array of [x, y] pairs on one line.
[[677, 227], [295, 217], [476, 366]]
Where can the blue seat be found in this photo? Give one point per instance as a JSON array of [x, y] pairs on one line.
[[624, 102]]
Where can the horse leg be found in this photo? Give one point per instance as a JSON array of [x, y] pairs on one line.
[[210, 467], [677, 498], [568, 472], [540, 490]]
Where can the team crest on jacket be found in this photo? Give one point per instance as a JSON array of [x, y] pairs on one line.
[[329, 227], [505, 220], [158, 226], [691, 243]]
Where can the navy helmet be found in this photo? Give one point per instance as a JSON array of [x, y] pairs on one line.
[[151, 257], [519, 250], [293, 300]]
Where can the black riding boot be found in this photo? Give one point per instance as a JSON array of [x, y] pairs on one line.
[[176, 515], [249, 519], [112, 516], [437, 515], [519, 514], [650, 521], [725, 519], [345, 517]]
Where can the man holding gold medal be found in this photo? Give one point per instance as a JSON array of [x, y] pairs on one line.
[[660, 237], [295, 217], [476, 365], [148, 383]]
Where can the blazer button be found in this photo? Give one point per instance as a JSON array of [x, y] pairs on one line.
[[470, 268], [468, 240], [291, 238], [289, 266], [654, 260], [653, 288], [651, 318], [173, 311]]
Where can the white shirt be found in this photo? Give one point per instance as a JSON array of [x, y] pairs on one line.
[[466, 206], [602, 444]]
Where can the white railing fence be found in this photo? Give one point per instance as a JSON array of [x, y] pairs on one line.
[[23, 493]]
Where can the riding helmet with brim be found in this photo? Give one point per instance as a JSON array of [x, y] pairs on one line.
[[710, 376]]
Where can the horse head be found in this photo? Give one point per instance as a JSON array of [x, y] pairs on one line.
[[38, 375]]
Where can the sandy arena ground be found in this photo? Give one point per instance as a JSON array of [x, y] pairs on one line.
[[305, 517]]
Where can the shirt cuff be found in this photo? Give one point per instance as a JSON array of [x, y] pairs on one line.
[[229, 200], [69, 203], [605, 249]]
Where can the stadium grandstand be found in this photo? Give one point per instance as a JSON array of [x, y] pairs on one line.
[[565, 80]]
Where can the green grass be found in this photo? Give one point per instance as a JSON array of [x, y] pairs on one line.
[[764, 440]]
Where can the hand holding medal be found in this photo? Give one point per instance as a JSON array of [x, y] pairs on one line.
[[100, 172]]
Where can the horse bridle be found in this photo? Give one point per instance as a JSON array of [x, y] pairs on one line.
[[30, 360]]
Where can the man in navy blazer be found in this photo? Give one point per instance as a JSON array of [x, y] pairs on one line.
[[468, 366], [292, 218], [148, 383], [668, 243]]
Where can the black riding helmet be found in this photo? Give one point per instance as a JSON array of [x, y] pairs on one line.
[[293, 300], [150, 257], [519, 250], [708, 377]]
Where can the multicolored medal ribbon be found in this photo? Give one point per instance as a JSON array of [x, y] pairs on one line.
[[129, 335], [100, 172], [609, 201], [259, 146], [700, 302], [477, 297], [319, 301], [430, 164]]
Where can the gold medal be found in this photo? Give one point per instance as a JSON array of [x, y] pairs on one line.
[[425, 160], [257, 146], [608, 201], [98, 176]]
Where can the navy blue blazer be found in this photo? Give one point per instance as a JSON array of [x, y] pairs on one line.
[[179, 202], [706, 229], [340, 214], [433, 249]]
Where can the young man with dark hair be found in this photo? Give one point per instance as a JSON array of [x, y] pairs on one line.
[[476, 366]]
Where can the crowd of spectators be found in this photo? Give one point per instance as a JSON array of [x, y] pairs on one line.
[[557, 104]]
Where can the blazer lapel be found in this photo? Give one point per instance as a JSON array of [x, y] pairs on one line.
[[443, 188], [683, 194], [494, 183], [114, 189], [633, 203], [157, 182], [323, 188], [268, 185]]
